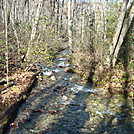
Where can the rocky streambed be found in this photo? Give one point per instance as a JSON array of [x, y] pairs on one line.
[[63, 103]]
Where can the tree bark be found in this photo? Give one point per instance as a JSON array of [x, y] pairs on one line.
[[13, 26], [118, 30], [34, 27], [70, 24], [6, 37], [123, 33]]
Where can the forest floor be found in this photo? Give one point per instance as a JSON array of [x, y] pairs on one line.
[[64, 103], [12, 94]]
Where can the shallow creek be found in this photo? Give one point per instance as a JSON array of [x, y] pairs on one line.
[[62, 103]]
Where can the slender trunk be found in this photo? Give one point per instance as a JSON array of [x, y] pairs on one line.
[[82, 23], [118, 30], [13, 26], [34, 27], [6, 37], [70, 24], [61, 17], [125, 28], [2, 10]]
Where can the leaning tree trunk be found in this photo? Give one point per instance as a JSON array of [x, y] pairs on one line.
[[125, 28], [118, 32]]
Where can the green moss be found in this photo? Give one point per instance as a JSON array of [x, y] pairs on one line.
[[4, 121], [16, 88]]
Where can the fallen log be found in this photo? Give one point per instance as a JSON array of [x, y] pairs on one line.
[[10, 114], [3, 89], [2, 82]]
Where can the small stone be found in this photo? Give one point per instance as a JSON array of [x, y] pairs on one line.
[[106, 132], [92, 129], [114, 121], [84, 130], [64, 97], [53, 78]]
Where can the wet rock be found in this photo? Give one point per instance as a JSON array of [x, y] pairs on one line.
[[47, 73], [115, 121], [62, 59], [69, 70], [53, 78], [64, 98], [61, 64], [85, 131]]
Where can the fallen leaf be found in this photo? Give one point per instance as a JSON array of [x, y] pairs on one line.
[[60, 66], [79, 80], [120, 108], [53, 111], [26, 110], [14, 124], [39, 110], [21, 120], [61, 105]]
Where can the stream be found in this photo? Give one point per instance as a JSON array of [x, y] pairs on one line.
[[63, 103]]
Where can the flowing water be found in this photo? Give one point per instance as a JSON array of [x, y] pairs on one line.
[[62, 103]]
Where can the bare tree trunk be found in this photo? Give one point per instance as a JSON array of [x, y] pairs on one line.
[[82, 22], [6, 37], [61, 16], [2, 10], [104, 20], [125, 28], [13, 26], [70, 34], [118, 30], [34, 27]]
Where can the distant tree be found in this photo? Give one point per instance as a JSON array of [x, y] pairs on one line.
[[34, 27], [6, 37], [70, 21]]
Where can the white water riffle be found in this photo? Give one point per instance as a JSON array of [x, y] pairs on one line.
[[63, 64], [65, 52], [57, 70], [47, 73], [62, 59], [105, 112], [78, 88], [51, 72]]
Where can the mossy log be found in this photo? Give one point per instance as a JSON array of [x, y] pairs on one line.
[[10, 114], [2, 82], [5, 88]]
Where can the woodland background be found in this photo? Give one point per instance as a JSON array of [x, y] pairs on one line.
[[32, 32]]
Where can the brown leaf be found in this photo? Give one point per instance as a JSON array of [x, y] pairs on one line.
[[61, 105], [26, 110], [53, 111], [14, 124], [21, 120], [39, 110], [120, 108], [60, 66], [79, 80]]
